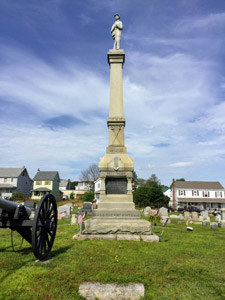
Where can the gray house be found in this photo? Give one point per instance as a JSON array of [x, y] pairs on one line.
[[64, 185], [14, 180]]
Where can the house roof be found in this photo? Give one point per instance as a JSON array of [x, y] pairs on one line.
[[199, 185], [63, 183], [46, 175], [10, 172], [7, 186], [200, 200]]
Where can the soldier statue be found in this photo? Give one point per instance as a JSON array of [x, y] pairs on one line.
[[116, 32]]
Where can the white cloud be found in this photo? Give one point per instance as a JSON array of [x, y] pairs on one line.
[[175, 124]]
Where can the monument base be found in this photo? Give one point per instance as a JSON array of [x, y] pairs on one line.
[[117, 229]]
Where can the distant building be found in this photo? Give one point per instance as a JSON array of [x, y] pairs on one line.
[[14, 180], [46, 182], [84, 186], [168, 192], [64, 185], [204, 194]]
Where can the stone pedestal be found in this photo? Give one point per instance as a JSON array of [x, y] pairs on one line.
[[116, 215]]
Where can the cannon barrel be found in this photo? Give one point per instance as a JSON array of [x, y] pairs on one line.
[[10, 206]]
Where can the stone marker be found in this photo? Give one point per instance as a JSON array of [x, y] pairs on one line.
[[187, 215], [218, 218], [74, 220], [87, 207], [176, 217], [213, 225], [194, 216], [190, 228], [132, 291], [204, 223], [147, 210], [163, 211], [69, 205], [65, 209]]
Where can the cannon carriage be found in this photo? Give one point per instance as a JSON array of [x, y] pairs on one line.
[[40, 232]]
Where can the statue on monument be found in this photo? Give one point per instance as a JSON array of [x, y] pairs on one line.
[[116, 32]]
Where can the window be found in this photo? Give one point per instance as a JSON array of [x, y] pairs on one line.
[[11, 179], [5, 179], [181, 192], [47, 182], [195, 193], [218, 194], [39, 182], [99, 185], [205, 193]]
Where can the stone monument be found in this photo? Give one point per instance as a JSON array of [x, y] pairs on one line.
[[116, 217]]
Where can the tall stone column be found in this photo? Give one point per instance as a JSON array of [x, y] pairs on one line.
[[116, 166]]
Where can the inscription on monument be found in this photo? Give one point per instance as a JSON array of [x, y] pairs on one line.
[[116, 185]]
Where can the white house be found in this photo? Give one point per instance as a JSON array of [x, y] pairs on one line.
[[168, 193], [203, 194], [83, 186], [64, 185], [14, 180]]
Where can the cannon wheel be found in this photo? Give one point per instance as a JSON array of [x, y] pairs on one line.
[[44, 227]]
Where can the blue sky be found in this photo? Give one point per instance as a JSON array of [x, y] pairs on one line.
[[54, 85]]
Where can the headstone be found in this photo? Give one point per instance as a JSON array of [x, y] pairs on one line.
[[218, 218], [205, 214], [74, 220], [163, 211], [69, 205], [147, 210], [223, 214], [194, 216], [201, 218], [64, 209], [87, 207], [175, 217], [190, 228], [181, 217], [222, 224], [187, 215], [213, 225], [204, 223]]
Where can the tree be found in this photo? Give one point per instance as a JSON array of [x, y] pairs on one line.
[[72, 196], [73, 184], [153, 180], [151, 194], [90, 174], [88, 196], [17, 196], [135, 177]]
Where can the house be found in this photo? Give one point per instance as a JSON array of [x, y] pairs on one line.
[[46, 182], [84, 186], [203, 194], [14, 180], [64, 185], [167, 192]]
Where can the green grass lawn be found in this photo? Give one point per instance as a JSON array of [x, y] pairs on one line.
[[185, 265]]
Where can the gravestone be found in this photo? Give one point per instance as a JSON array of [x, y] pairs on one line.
[[65, 209], [87, 207], [218, 218], [147, 210], [204, 223], [187, 215], [176, 217], [223, 214], [163, 212], [69, 205], [74, 220], [213, 225], [194, 216]]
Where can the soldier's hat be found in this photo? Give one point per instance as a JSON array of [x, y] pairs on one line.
[[116, 15]]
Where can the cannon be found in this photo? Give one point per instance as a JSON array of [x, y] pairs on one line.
[[41, 231]]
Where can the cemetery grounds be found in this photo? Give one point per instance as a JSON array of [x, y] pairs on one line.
[[185, 265]]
